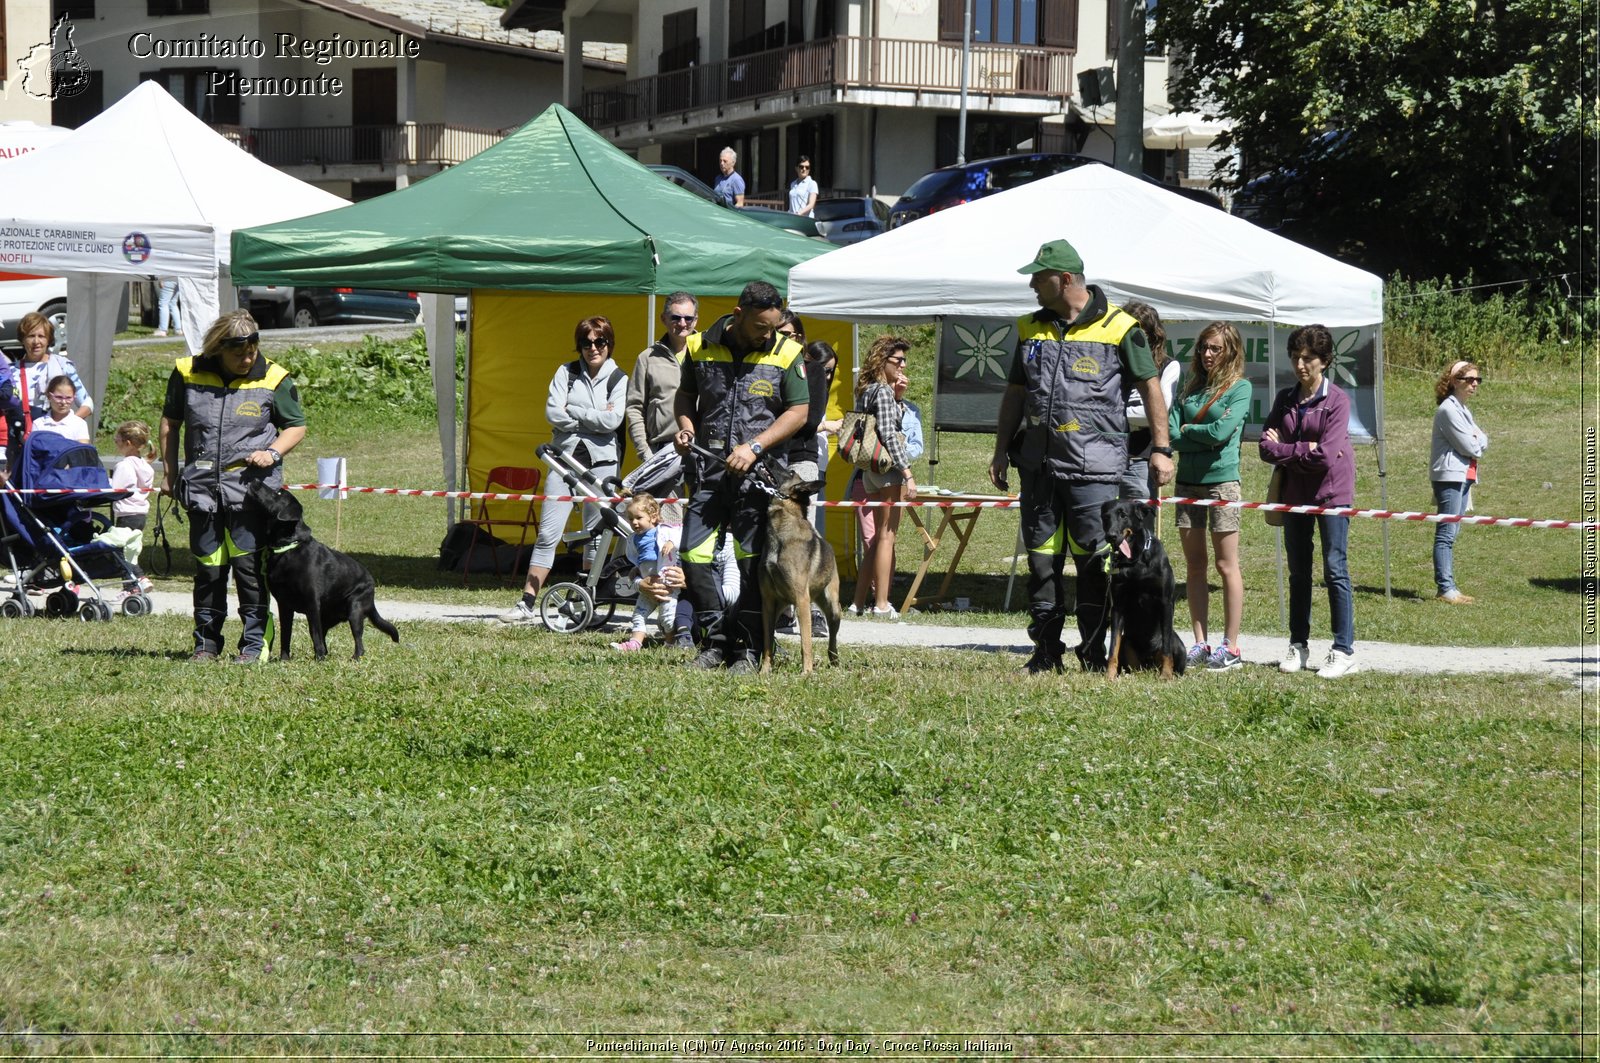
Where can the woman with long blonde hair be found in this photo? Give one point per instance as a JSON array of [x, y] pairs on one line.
[[1206, 425], [1458, 443], [885, 365]]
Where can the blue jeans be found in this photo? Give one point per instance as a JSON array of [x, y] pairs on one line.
[[167, 314], [1450, 497], [1137, 481], [1297, 530]]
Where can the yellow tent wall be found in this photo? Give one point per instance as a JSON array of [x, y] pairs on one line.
[[520, 339]]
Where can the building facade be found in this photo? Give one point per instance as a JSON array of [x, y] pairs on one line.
[[356, 97], [869, 89]]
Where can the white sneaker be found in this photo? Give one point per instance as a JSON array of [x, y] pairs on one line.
[[521, 613], [1337, 665], [852, 610], [1295, 660], [888, 612]]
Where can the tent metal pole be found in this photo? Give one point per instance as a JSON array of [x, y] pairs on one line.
[[1277, 537], [931, 428], [1383, 465]]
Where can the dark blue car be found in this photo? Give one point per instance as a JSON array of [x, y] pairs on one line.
[[952, 186]]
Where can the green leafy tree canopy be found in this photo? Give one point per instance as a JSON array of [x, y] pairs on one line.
[[1424, 136]]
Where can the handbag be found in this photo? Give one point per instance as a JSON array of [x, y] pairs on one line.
[[859, 442], [1274, 517]]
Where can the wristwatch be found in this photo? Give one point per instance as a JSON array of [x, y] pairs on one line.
[[1162, 450], [756, 448], [277, 456]]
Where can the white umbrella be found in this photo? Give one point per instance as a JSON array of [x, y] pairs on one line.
[[1183, 130]]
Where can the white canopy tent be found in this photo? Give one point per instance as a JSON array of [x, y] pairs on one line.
[[1186, 259], [19, 137], [143, 189], [1189, 261]]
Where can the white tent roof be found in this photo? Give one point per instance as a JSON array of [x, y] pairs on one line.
[[19, 137], [143, 166], [1188, 260]]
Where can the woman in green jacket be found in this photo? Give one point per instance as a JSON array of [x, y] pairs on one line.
[[1206, 424]]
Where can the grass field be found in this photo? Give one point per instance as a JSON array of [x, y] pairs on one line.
[[508, 830], [519, 836], [1526, 580]]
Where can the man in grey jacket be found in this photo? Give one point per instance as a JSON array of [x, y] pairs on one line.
[[653, 387]]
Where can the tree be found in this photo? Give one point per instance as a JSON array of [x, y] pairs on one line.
[[1430, 137]]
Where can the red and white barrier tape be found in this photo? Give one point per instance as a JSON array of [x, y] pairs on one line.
[[1010, 503]]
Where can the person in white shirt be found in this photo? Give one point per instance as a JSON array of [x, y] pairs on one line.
[[59, 418], [802, 190]]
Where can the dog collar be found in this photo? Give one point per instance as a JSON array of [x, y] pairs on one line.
[[286, 547]]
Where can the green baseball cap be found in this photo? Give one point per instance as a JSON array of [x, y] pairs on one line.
[[1056, 255]]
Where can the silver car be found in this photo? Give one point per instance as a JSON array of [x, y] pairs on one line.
[[850, 219]]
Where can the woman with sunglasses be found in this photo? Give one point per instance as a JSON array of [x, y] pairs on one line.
[[883, 368], [803, 189], [1458, 443], [586, 405], [239, 414]]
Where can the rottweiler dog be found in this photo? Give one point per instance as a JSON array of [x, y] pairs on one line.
[[305, 576], [1141, 592], [797, 568]]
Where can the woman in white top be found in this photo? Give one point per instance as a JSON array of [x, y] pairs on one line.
[[802, 190], [1137, 481], [1458, 443]]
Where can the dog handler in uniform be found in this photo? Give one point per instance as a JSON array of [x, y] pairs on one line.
[[743, 393], [240, 414], [1064, 424]]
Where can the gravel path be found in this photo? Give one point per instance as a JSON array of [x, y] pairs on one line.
[[1574, 663]]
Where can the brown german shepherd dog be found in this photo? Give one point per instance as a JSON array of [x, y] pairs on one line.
[[797, 568]]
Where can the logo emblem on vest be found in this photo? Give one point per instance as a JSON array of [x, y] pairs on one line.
[[1086, 364], [1070, 426], [760, 389], [247, 409]]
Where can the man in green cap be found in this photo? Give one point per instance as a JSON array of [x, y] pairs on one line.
[[1064, 424]]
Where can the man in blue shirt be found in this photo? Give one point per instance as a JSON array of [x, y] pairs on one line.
[[729, 188]]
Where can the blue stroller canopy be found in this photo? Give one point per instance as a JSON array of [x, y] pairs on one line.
[[54, 462]]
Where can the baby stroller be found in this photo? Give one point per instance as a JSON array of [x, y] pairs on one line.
[[592, 599], [49, 540]]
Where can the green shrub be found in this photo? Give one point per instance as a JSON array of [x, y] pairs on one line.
[[1430, 323], [375, 374]]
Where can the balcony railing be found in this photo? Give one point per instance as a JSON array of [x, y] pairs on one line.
[[838, 62], [417, 144]]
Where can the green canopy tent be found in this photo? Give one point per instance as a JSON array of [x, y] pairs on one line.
[[553, 208]]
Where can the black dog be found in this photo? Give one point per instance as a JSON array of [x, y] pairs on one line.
[[305, 576], [1141, 592]]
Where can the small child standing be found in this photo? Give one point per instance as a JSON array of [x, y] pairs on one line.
[[133, 474], [652, 550]]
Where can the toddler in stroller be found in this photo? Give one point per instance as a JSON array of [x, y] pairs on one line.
[[591, 599], [52, 543]]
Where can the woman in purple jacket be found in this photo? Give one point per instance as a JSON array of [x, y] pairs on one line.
[[1307, 435]]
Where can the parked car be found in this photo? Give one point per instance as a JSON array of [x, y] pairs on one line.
[[781, 219], [23, 294], [283, 306], [850, 219], [272, 305], [352, 306], [1283, 196], [951, 186]]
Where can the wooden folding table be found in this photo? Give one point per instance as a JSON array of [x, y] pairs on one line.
[[959, 520]]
